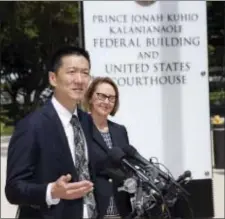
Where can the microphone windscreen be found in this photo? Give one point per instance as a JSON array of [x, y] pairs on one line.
[[116, 174], [129, 150], [187, 173], [116, 155]]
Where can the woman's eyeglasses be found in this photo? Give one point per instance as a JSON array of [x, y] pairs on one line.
[[103, 97]]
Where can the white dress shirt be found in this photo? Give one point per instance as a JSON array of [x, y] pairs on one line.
[[65, 117]]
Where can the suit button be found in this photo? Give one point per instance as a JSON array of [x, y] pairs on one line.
[[110, 180]]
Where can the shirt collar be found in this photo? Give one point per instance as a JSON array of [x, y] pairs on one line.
[[63, 113]]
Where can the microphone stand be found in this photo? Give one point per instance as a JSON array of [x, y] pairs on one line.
[[137, 208], [168, 179], [139, 198]]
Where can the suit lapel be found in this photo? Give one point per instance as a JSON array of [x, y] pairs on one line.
[[85, 122], [98, 138], [61, 146], [114, 134]]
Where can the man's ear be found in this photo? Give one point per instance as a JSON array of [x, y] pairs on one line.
[[52, 78]]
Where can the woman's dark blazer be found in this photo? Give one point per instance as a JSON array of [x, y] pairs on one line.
[[104, 185]]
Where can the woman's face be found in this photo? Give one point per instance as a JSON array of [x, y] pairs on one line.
[[103, 100]]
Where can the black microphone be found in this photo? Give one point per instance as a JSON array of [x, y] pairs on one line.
[[117, 174], [131, 152], [118, 157], [186, 174]]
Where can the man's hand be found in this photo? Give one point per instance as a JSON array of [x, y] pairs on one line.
[[63, 189]]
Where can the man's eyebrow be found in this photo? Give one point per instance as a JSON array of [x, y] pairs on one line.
[[73, 68], [69, 68]]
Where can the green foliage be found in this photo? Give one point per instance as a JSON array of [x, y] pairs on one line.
[[217, 96], [216, 34], [216, 53], [29, 33], [6, 130]]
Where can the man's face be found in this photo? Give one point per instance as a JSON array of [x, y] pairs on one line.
[[72, 78]]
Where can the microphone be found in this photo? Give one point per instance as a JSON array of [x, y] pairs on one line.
[[116, 174], [186, 174], [118, 157], [131, 152]]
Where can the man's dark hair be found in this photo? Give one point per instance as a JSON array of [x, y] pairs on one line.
[[56, 60]]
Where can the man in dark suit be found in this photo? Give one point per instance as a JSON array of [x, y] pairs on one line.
[[48, 170]]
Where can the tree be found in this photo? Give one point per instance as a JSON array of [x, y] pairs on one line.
[[216, 32], [216, 40], [30, 32]]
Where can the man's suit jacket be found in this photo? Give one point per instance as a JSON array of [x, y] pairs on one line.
[[104, 189], [38, 154]]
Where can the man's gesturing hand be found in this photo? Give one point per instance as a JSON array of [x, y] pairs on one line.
[[63, 189]]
